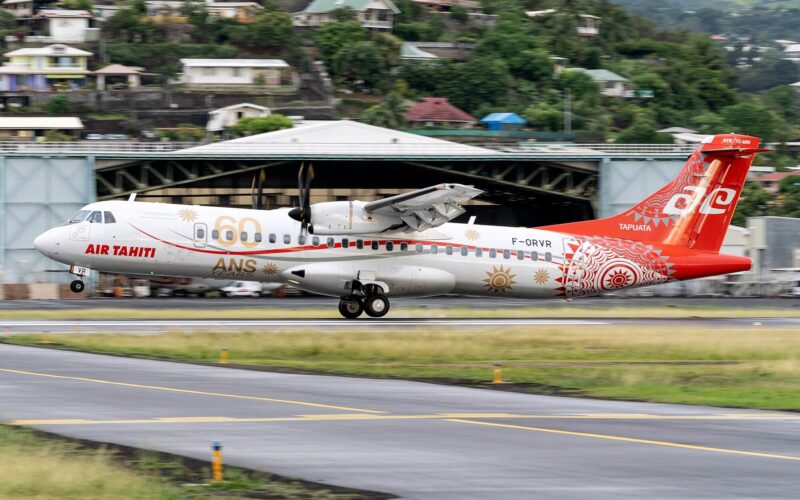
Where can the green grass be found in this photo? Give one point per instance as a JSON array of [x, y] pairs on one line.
[[754, 368], [43, 467], [549, 311]]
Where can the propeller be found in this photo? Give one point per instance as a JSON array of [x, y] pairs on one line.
[[303, 212], [257, 190]]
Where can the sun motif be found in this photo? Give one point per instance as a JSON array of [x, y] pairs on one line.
[[269, 269], [499, 280], [472, 234], [541, 277], [187, 215], [619, 278]]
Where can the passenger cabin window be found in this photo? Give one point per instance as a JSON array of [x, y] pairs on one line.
[[403, 247], [478, 252], [215, 234], [331, 242], [229, 235], [548, 257], [534, 255], [389, 246], [301, 240], [520, 254], [359, 244], [96, 218], [287, 239], [257, 237], [374, 244], [272, 238], [345, 243], [434, 249], [109, 217], [315, 241], [448, 250], [200, 234], [464, 251], [243, 235], [419, 248], [506, 254], [492, 253]]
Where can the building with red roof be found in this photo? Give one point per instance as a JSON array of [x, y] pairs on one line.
[[772, 182], [438, 112]]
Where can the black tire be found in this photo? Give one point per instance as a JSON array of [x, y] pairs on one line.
[[77, 286], [376, 306], [351, 307]]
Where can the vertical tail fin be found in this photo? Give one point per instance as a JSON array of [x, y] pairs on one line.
[[695, 209]]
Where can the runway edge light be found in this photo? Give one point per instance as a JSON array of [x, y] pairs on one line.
[[216, 461]]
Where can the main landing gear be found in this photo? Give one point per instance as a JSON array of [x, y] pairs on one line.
[[371, 301]]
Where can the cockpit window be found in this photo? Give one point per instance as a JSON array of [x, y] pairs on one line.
[[80, 216], [96, 217], [109, 217]]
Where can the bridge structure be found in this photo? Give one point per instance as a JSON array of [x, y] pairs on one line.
[[41, 184]]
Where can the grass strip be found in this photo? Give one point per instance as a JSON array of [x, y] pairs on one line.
[[40, 465], [551, 311], [749, 367]]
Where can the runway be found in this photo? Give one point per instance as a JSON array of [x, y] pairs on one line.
[[411, 439], [18, 327]]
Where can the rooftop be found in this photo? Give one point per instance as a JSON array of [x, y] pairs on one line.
[[511, 118], [57, 49], [119, 69], [234, 63], [601, 75], [40, 122], [322, 6], [240, 105], [61, 13], [437, 109], [411, 51]]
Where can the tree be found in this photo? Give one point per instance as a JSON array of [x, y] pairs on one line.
[[58, 105], [334, 36], [789, 195], [543, 116], [478, 81], [342, 14], [710, 123], [643, 130], [459, 13], [360, 65], [752, 119], [258, 125], [271, 29], [753, 202], [390, 113], [126, 25]]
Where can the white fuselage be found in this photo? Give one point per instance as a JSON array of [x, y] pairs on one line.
[[267, 245]]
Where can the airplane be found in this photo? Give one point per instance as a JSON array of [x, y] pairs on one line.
[[405, 245]]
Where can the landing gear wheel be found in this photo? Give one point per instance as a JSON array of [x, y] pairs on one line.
[[376, 305], [77, 286], [351, 307]]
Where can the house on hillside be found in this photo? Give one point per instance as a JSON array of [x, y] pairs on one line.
[[243, 12], [772, 182], [31, 127], [503, 121], [589, 28], [438, 112], [410, 52], [55, 67], [18, 8], [63, 26], [474, 9], [372, 14], [199, 73], [611, 84], [118, 76], [792, 53], [219, 120]]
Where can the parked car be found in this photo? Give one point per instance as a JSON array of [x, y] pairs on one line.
[[94, 137], [242, 289]]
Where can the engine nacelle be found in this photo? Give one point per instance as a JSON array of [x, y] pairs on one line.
[[348, 217]]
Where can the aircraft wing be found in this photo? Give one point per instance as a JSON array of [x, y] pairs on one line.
[[425, 208]]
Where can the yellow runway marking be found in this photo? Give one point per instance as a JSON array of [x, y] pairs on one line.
[[189, 391], [630, 440], [363, 416]]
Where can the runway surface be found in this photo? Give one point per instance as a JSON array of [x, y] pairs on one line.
[[412, 439], [18, 327]]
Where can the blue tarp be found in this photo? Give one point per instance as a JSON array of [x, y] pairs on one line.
[[498, 121]]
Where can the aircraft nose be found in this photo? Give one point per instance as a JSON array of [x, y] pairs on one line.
[[44, 242]]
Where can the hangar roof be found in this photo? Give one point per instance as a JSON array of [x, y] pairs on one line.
[[340, 137]]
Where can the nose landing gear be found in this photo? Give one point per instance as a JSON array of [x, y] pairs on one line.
[[77, 286]]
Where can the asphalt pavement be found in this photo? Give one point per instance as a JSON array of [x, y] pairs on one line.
[[411, 439]]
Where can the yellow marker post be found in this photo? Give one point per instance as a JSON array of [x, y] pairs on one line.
[[497, 373], [223, 357], [216, 461], [46, 338]]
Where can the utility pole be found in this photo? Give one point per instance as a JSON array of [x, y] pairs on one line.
[[567, 111]]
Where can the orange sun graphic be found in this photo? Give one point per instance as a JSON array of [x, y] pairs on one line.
[[187, 215], [541, 276], [270, 269], [499, 280], [472, 234]]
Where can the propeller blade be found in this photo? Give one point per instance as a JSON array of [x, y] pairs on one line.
[[253, 193], [262, 176], [300, 191]]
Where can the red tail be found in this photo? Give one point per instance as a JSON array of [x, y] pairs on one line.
[[692, 211]]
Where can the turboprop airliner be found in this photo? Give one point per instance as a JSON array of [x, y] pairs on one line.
[[405, 245]]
